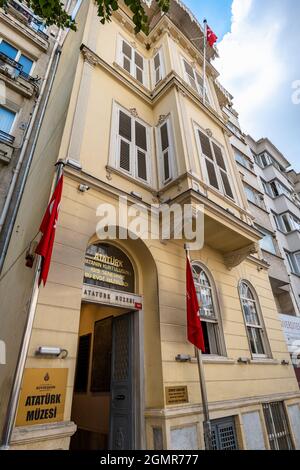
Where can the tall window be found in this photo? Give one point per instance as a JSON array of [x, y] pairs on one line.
[[195, 80], [158, 67], [243, 160], [267, 243], [215, 168], [277, 426], [255, 331], [208, 313], [294, 262], [167, 157], [7, 118], [133, 147], [287, 222], [132, 61], [254, 196]]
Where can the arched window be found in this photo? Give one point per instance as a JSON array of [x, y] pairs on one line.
[[255, 330], [208, 310]]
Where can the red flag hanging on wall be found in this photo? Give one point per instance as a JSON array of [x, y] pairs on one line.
[[194, 327], [48, 228], [211, 37]]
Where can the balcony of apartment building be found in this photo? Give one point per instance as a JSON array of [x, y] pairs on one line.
[[278, 275], [13, 74], [284, 199], [274, 171], [21, 19]]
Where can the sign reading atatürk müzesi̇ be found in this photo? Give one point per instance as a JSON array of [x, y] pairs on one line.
[[42, 398], [107, 266]]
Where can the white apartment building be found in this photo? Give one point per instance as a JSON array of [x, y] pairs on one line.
[[272, 189]]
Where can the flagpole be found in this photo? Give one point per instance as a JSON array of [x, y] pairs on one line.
[[15, 392], [203, 389], [204, 59]]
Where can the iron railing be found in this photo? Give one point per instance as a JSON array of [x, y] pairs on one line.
[[6, 138], [14, 69]]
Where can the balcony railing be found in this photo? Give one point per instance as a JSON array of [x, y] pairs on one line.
[[6, 138], [30, 19], [14, 70]]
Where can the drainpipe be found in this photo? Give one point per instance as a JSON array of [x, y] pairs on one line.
[[55, 55]]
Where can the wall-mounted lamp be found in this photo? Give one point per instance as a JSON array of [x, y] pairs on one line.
[[47, 351], [243, 360], [83, 188], [183, 358]]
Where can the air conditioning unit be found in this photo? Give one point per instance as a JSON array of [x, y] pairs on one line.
[[10, 71]]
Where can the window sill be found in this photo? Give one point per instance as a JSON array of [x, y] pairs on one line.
[[264, 360], [207, 359], [131, 77], [116, 171]]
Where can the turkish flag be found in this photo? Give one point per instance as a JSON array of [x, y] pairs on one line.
[[48, 228], [194, 327], [211, 37]]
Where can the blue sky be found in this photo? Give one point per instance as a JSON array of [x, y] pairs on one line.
[[217, 13], [259, 62]]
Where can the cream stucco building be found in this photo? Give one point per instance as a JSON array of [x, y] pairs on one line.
[[131, 121]]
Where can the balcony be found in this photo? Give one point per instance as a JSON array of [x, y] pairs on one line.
[[277, 271], [284, 204], [6, 138], [27, 18], [271, 173], [12, 72]]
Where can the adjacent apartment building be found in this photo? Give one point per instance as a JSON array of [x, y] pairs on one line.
[[132, 123], [25, 54], [273, 196]]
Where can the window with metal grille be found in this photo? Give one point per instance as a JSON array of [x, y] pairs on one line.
[[215, 167], [255, 330], [166, 152], [223, 434], [82, 365], [277, 426], [133, 147], [195, 80], [208, 310], [132, 61]]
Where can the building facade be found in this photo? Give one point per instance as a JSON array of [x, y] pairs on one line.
[[273, 197], [25, 53], [134, 124]]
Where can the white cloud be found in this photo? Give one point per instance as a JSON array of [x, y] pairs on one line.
[[258, 63]]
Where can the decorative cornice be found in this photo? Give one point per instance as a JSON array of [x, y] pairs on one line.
[[90, 57]]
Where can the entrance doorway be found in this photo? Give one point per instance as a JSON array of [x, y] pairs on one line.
[[104, 392], [223, 434]]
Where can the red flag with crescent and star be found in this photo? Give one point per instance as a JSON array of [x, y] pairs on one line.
[[48, 229], [194, 327], [211, 37]]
